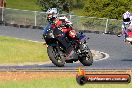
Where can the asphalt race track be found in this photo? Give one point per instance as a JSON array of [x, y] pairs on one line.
[[120, 52]]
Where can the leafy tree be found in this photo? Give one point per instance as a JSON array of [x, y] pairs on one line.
[[95, 8], [62, 5], [107, 8], [78, 3]]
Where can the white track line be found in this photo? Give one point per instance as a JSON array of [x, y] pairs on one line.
[[106, 56], [29, 40]]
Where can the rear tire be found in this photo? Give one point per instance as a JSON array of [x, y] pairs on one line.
[[54, 57]]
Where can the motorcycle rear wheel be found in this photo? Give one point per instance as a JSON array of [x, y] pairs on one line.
[[56, 57]]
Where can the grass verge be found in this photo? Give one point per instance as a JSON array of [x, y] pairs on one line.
[[69, 82], [51, 80], [23, 4], [20, 51]]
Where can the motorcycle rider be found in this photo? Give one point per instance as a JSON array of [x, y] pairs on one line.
[[63, 24], [127, 17], [59, 22]]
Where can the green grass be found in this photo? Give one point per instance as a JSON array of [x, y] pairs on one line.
[[23, 4], [20, 51], [56, 83]]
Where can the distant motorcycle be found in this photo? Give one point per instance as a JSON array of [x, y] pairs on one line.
[[129, 36], [127, 33], [62, 49]]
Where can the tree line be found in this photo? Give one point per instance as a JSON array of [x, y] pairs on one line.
[[112, 9]]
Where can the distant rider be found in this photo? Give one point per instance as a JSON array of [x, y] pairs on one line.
[[127, 17]]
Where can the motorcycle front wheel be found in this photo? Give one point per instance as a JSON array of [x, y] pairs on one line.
[[88, 59], [131, 43], [56, 56]]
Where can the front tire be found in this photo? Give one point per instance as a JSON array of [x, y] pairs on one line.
[[87, 60], [56, 58], [131, 43]]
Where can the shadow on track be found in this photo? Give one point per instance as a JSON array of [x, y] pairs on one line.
[[126, 60]]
